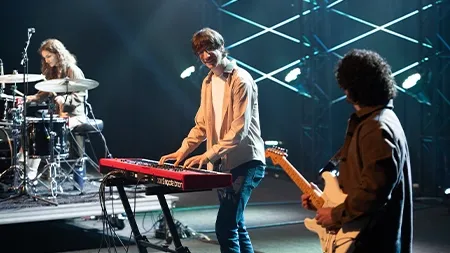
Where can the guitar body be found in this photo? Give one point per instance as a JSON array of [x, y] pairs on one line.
[[341, 241], [332, 195]]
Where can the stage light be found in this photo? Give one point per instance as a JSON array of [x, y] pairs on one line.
[[306, 42], [187, 72], [417, 85], [446, 199], [292, 75], [273, 143], [411, 81]]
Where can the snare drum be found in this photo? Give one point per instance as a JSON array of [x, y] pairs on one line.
[[39, 136]]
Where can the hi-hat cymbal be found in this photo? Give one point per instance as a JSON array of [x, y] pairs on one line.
[[18, 78], [66, 85]]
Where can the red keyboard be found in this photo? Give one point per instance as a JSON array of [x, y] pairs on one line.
[[167, 174]]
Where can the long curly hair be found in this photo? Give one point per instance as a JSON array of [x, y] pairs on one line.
[[65, 59], [366, 77]]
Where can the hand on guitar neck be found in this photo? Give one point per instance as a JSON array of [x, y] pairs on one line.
[[307, 202], [323, 215]]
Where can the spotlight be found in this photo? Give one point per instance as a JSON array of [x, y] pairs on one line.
[[187, 72], [411, 81], [447, 198], [416, 86], [292, 75], [273, 143]]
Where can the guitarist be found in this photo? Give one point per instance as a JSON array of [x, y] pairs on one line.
[[375, 170]]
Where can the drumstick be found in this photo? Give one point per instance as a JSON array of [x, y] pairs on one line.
[[18, 92]]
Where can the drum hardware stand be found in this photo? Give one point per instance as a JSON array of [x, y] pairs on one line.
[[2, 85], [54, 162], [24, 189], [83, 158], [52, 165], [14, 166]]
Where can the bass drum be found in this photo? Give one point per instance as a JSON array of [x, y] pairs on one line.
[[6, 146]]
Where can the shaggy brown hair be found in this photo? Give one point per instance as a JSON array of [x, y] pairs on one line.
[[208, 39]]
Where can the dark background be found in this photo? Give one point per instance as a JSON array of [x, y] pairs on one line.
[[137, 50]]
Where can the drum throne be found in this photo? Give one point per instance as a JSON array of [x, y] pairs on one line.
[[79, 166]]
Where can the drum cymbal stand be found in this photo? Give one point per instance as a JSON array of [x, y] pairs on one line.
[[54, 162], [24, 189]]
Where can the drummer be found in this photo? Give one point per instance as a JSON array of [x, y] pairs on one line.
[[58, 63]]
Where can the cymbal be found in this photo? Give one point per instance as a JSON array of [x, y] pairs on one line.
[[66, 85], [6, 97], [18, 78]]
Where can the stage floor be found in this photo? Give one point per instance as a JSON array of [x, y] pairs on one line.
[[70, 203], [274, 219]]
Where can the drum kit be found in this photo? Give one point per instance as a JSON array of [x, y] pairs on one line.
[[29, 136]]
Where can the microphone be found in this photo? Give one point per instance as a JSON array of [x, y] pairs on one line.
[[31, 30], [2, 73]]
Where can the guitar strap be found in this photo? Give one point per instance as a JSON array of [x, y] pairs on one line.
[[341, 153], [332, 164]]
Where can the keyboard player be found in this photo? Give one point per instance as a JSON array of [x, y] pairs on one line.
[[228, 119]]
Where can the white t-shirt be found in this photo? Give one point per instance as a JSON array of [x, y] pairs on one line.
[[218, 90]]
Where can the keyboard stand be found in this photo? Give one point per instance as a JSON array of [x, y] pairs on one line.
[[141, 241]]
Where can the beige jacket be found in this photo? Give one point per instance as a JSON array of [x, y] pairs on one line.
[[240, 135]]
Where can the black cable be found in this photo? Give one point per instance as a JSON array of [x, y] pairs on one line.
[[108, 228], [155, 222], [107, 153], [92, 148], [134, 210]]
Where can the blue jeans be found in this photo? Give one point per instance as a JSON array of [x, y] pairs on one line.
[[77, 152], [230, 228]]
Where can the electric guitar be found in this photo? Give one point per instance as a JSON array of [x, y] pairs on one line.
[[331, 241]]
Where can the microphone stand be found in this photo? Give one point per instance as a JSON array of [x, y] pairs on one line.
[[24, 63]]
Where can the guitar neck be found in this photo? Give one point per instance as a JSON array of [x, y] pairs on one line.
[[302, 183]]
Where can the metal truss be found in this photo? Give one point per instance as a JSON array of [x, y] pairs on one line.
[[316, 131], [331, 8], [434, 172]]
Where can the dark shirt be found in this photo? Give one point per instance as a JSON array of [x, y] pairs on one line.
[[375, 173]]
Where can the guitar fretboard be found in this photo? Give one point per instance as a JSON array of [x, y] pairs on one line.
[[301, 182]]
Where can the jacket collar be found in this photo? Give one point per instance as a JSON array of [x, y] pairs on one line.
[[227, 71], [366, 111]]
